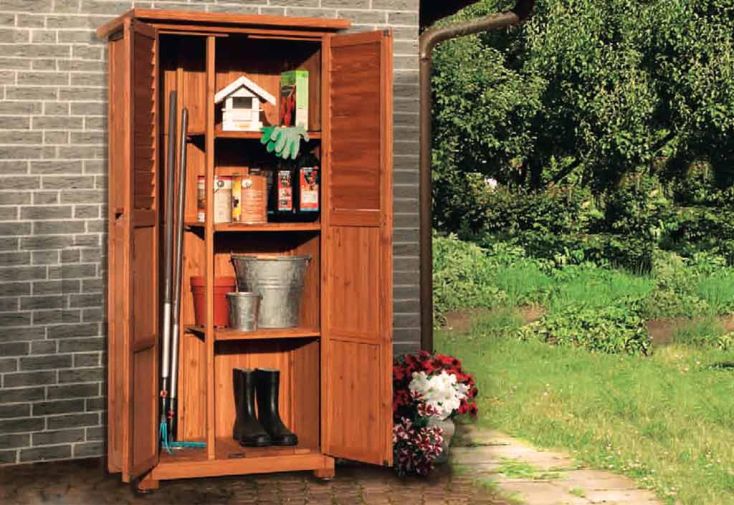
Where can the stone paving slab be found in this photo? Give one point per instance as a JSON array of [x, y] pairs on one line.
[[530, 476]]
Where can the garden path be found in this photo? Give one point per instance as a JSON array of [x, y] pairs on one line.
[[527, 475]]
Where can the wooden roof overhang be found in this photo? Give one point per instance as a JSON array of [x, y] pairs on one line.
[[195, 21]]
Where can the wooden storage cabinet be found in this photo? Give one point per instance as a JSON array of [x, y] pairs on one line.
[[335, 390]]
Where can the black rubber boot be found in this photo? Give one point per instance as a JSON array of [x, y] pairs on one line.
[[268, 384], [247, 430]]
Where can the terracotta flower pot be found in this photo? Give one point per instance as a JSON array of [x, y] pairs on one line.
[[222, 286]]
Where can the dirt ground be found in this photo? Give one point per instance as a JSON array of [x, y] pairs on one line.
[[84, 482]]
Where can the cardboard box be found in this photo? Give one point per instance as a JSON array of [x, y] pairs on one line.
[[294, 98]]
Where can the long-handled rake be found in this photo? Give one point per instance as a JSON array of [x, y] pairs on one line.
[[169, 435], [168, 263]]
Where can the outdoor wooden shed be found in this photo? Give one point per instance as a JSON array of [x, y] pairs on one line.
[[336, 365]]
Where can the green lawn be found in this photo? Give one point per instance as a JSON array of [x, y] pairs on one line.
[[666, 420]]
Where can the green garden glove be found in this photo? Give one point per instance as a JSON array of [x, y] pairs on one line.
[[284, 142]]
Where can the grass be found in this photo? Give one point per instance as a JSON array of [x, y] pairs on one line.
[[665, 420]]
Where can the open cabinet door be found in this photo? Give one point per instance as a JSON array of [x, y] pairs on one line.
[[133, 304], [357, 249]]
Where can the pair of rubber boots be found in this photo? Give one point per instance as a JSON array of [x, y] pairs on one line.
[[266, 428]]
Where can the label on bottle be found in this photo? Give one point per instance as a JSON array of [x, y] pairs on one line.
[[309, 189], [285, 191]]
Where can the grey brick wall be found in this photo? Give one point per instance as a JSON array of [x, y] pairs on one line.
[[52, 207]]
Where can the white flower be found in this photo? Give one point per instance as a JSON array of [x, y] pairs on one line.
[[490, 182], [440, 391]]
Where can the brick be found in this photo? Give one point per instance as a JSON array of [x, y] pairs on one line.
[[95, 404], [30, 93], [8, 457], [14, 441], [29, 379], [44, 257], [42, 302], [43, 78], [14, 319], [9, 304], [83, 196], [45, 453], [46, 362], [8, 259], [72, 421], [16, 228], [14, 288], [14, 198], [8, 365], [21, 333], [57, 227], [71, 256], [14, 349], [56, 286], [91, 300], [72, 271], [82, 344], [45, 197], [81, 375], [44, 347], [47, 242], [58, 437], [9, 244], [96, 433], [16, 183], [86, 360], [72, 391], [73, 330], [23, 273], [21, 425], [21, 394], [67, 182], [46, 212], [88, 449], [45, 317], [58, 407], [13, 411], [55, 167]]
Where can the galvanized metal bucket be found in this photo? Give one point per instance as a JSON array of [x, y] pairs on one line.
[[243, 310], [278, 280]]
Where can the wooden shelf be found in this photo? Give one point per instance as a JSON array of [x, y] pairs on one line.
[[233, 227], [232, 459], [221, 134], [221, 334], [267, 227]]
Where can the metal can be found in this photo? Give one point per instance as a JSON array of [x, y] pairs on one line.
[[254, 199], [201, 199], [222, 199]]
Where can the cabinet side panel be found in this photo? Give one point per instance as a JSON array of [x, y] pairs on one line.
[[118, 195]]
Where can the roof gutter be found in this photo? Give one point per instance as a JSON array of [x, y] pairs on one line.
[[428, 41]]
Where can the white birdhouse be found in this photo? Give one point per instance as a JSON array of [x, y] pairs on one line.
[[242, 105]]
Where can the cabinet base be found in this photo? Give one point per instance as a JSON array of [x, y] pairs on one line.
[[314, 461]]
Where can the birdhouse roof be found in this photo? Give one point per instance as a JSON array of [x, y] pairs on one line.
[[243, 81]]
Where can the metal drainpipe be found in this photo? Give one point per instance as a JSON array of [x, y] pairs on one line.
[[428, 40]]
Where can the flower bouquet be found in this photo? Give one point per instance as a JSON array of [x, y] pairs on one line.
[[429, 390]]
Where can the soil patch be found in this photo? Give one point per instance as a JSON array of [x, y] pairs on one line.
[[461, 321], [663, 330], [531, 313]]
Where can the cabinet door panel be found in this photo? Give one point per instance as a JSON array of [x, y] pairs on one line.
[[357, 249], [133, 252]]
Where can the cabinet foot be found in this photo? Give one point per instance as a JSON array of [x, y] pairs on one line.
[[145, 486], [324, 473]]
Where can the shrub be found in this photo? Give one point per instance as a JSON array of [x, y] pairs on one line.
[[462, 277], [615, 329]]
